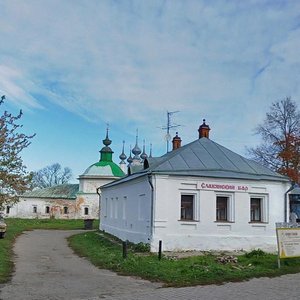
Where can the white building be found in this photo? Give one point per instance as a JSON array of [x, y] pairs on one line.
[[200, 196], [70, 201]]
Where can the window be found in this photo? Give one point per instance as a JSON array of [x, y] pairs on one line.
[[187, 207], [34, 209], [255, 209], [259, 206], [7, 210], [66, 211], [222, 208], [47, 210], [86, 210]]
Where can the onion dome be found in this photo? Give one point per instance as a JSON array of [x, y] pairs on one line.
[[144, 155], [136, 151], [105, 167], [123, 155], [130, 159]]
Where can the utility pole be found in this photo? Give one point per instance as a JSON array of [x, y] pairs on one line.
[[169, 126]]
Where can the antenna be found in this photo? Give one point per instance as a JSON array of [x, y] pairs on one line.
[[169, 126]]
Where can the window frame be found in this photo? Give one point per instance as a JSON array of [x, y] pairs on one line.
[[195, 206], [230, 208], [34, 209], [264, 208], [86, 210], [47, 209], [66, 210]]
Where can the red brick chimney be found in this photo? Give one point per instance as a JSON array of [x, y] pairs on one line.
[[176, 142], [204, 130]]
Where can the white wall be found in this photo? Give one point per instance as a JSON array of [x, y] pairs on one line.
[[126, 210], [25, 208], [205, 233], [89, 184]]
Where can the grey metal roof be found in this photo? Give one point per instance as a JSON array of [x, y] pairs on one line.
[[205, 158], [64, 191]]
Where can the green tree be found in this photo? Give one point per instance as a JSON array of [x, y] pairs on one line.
[[14, 178], [280, 133]]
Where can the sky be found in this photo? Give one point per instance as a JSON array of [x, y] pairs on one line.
[[74, 66]]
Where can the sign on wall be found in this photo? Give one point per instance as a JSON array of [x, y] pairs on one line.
[[223, 186]]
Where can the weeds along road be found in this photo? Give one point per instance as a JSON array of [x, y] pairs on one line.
[[46, 268]]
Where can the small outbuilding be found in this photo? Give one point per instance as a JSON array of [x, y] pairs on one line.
[[200, 196]]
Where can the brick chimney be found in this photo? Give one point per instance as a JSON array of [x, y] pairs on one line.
[[176, 142], [204, 130]]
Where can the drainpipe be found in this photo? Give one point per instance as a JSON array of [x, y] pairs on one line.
[[99, 194], [152, 195], [285, 201]]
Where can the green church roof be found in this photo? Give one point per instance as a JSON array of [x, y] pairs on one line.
[[64, 191], [105, 167]]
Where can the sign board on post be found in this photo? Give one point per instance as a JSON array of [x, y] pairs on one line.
[[288, 240]]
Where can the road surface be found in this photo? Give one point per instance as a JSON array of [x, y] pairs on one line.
[[46, 268]]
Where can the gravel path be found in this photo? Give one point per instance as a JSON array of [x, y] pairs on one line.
[[47, 269]]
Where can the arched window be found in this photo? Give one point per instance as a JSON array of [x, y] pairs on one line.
[[47, 209], [86, 210], [66, 211]]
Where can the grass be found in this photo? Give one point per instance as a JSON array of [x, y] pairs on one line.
[[16, 226], [197, 270]]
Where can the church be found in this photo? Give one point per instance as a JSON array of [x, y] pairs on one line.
[[71, 201], [199, 196]]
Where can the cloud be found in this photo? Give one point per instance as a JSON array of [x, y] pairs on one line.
[[136, 59]]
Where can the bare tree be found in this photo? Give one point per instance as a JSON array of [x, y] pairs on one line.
[[14, 179], [280, 133], [51, 176]]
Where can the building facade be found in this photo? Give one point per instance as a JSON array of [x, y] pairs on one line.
[[200, 196], [70, 201]]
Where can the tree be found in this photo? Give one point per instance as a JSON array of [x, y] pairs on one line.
[[51, 175], [14, 179], [280, 132]]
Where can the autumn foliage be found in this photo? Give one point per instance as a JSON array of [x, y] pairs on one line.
[[280, 132], [290, 156]]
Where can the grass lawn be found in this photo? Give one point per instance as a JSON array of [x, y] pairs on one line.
[[206, 269], [16, 226]]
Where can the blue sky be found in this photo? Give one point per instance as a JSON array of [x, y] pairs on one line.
[[74, 66]]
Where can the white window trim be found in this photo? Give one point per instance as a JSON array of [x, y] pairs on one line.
[[116, 208], [106, 207], [230, 207], [196, 205], [111, 208], [124, 208], [264, 208]]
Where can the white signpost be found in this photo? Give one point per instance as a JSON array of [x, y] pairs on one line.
[[288, 240]]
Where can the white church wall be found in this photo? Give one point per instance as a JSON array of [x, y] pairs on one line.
[[126, 210], [41, 208], [90, 184]]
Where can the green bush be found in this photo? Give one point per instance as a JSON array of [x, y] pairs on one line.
[[255, 253]]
